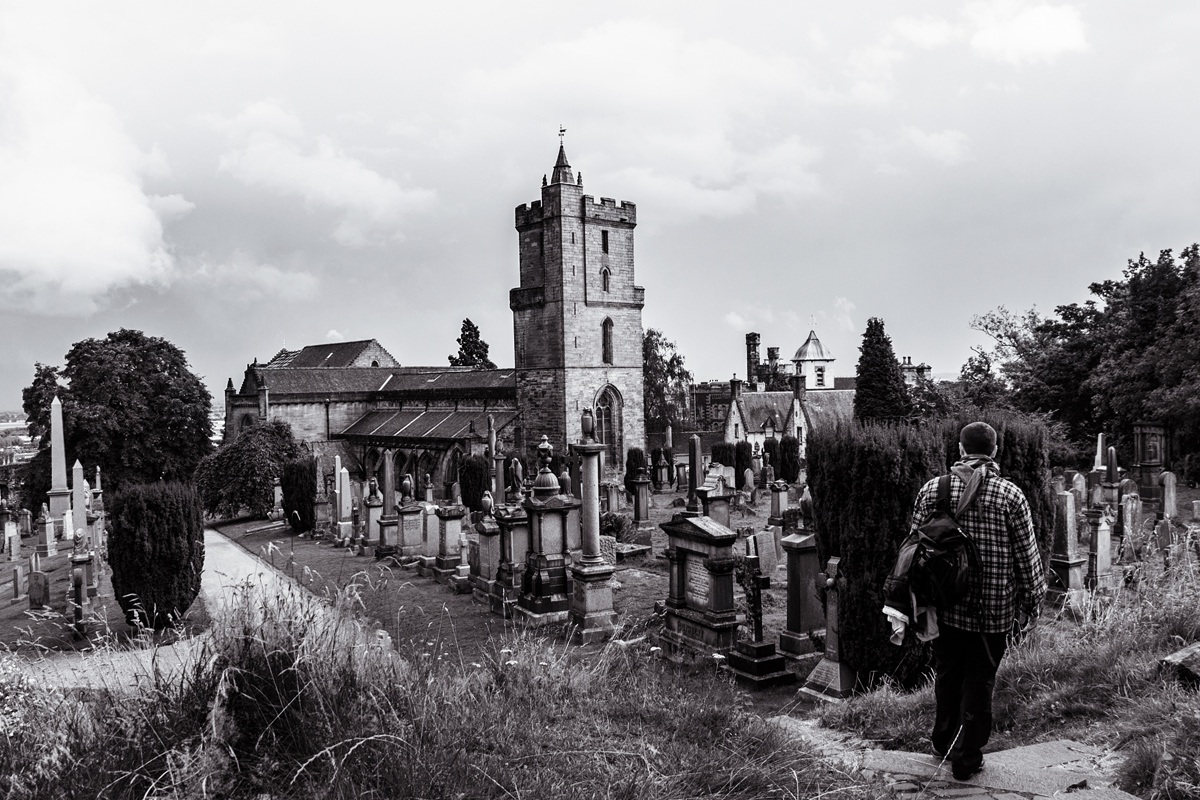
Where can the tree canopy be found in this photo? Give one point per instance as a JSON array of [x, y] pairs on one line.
[[665, 382], [472, 349], [131, 406], [881, 393], [242, 473]]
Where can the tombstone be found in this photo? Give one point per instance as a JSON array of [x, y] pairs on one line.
[[47, 544], [768, 472], [762, 546], [1130, 526], [18, 583], [12, 541], [485, 559], [514, 542], [805, 618], [39, 589], [681, 476], [78, 600], [1163, 538], [700, 618], [410, 534], [1067, 561], [26, 522], [694, 452], [1167, 481], [517, 479], [1099, 577], [749, 486], [546, 583], [460, 581], [612, 497], [1196, 509], [661, 481], [276, 512], [428, 488], [59, 495], [755, 663], [715, 497], [641, 500], [831, 678], [1080, 490], [449, 547]]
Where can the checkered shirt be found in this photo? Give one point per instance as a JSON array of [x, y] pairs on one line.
[[999, 522]]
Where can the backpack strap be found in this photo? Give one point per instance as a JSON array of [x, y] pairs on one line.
[[943, 495]]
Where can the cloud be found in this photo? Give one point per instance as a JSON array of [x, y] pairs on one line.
[[736, 320], [171, 206], [76, 220], [926, 32], [1019, 36], [949, 147], [841, 315], [334, 335], [269, 152], [243, 279]]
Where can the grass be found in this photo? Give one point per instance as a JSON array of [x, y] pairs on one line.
[[1089, 672], [289, 696]]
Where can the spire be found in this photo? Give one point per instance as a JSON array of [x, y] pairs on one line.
[[562, 170]]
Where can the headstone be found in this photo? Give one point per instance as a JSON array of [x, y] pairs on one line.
[[755, 663], [1131, 521], [641, 500], [345, 495], [47, 543], [805, 617], [1163, 539], [831, 678], [12, 541], [761, 545], [701, 618], [26, 522], [694, 474], [39, 589], [60, 495], [1067, 560], [608, 549], [18, 583], [1170, 507], [1196, 509], [749, 485], [1079, 489], [1099, 577]]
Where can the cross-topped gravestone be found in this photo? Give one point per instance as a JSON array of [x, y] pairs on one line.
[[831, 678]]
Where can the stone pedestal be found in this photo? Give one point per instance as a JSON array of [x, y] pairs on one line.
[[757, 665], [831, 679], [1099, 576], [449, 556], [47, 544], [1067, 560], [641, 501], [701, 618], [715, 503], [591, 607], [805, 619], [546, 584], [779, 504], [514, 536], [485, 559], [410, 532]]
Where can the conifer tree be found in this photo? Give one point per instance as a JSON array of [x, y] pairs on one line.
[[472, 349], [881, 394]]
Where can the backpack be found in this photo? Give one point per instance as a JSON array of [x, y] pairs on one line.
[[944, 557]]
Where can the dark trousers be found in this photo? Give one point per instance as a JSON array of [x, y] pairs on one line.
[[963, 684]]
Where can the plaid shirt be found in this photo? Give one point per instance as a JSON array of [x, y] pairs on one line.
[[1002, 527]]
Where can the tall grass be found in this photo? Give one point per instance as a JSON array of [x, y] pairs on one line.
[[288, 696], [1091, 671]]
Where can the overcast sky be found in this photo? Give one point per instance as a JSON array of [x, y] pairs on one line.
[[241, 177]]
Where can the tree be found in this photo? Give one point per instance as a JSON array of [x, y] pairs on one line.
[[242, 474], [472, 349], [298, 484], [131, 406], [881, 393], [665, 382]]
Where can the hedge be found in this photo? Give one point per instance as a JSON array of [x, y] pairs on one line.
[[788, 468], [743, 458], [473, 481], [635, 462], [299, 485]]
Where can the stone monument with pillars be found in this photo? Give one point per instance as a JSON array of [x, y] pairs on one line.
[[701, 618], [591, 608], [513, 527], [546, 584]]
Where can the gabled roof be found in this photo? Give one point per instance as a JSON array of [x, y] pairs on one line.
[[282, 358], [333, 354], [411, 382], [829, 407], [757, 407], [812, 350]]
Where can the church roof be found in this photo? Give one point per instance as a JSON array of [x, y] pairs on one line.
[[431, 424], [562, 170], [812, 350], [829, 407], [413, 382], [282, 359], [333, 354], [757, 407]]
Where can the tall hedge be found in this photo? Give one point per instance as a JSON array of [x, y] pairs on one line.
[[864, 479], [743, 456], [156, 551], [669, 455], [299, 485], [473, 481], [788, 468], [635, 462], [771, 450], [724, 453]]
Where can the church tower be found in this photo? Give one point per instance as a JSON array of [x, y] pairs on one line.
[[577, 318]]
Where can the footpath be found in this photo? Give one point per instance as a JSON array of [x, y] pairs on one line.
[[1061, 768]]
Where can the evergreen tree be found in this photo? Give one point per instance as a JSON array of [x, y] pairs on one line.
[[665, 382], [472, 349], [881, 394]]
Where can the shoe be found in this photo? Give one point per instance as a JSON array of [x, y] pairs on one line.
[[961, 771], [937, 751]]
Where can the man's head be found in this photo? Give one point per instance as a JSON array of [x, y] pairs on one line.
[[978, 439]]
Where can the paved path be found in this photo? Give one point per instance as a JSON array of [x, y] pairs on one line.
[[225, 565], [1032, 772]]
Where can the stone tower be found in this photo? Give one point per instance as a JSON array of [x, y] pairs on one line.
[[577, 318]]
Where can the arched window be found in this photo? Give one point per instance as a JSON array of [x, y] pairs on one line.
[[608, 426], [247, 421], [605, 275], [607, 347]]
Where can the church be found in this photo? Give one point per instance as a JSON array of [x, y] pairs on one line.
[[577, 340]]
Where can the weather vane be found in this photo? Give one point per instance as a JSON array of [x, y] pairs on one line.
[[561, 131]]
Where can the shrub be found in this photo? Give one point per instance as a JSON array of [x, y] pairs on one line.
[[788, 468], [473, 481], [771, 452], [655, 455], [743, 457], [299, 485], [635, 462], [723, 453], [618, 526], [156, 551], [669, 455], [241, 475]]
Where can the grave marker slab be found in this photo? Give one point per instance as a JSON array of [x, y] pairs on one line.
[[701, 618]]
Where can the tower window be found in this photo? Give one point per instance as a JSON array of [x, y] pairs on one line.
[[607, 334], [604, 279], [604, 241], [820, 376]]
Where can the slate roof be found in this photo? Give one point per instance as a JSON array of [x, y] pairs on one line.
[[828, 407], [282, 358], [812, 350], [431, 424], [757, 407], [331, 355], [396, 381]]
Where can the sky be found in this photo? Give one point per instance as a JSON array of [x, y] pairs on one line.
[[242, 177]]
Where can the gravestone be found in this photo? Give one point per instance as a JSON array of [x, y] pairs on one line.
[[12, 541], [831, 679], [47, 543], [1067, 560], [18, 584], [701, 618], [694, 475], [749, 485], [1099, 577], [1079, 489], [805, 618], [755, 663], [514, 540], [641, 500], [1170, 507], [1130, 526], [1196, 509], [762, 546], [1163, 539], [546, 585], [26, 522], [779, 504], [449, 534], [39, 589], [486, 557]]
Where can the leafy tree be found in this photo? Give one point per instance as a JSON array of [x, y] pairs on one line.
[[665, 382], [930, 399], [242, 473], [156, 551], [131, 406], [472, 349], [981, 386], [881, 393]]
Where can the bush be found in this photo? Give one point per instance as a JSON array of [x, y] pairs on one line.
[[473, 481], [656, 454], [635, 462], [669, 455], [156, 551], [618, 526], [743, 457], [788, 468], [299, 485], [771, 455], [241, 475], [723, 453]]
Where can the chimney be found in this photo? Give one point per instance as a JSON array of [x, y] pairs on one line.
[[752, 340], [773, 358], [735, 388], [798, 389]]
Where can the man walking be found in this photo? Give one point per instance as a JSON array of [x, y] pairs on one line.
[[1008, 584]]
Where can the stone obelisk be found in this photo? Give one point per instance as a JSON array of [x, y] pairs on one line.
[[60, 495]]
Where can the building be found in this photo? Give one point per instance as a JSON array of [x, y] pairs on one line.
[[577, 333]]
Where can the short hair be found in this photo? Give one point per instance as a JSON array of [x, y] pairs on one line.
[[978, 438]]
